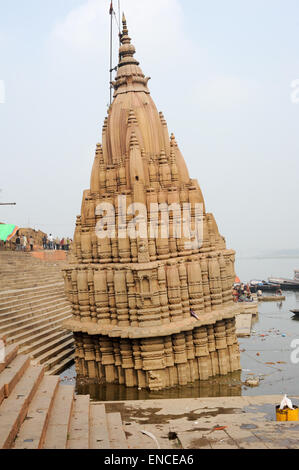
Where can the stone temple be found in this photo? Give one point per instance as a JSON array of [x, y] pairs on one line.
[[147, 311]]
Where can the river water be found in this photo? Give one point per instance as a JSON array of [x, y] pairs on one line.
[[267, 354]]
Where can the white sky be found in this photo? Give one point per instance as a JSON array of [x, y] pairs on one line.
[[221, 73]]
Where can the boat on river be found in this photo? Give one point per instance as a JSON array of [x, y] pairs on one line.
[[295, 311], [287, 284], [256, 285]]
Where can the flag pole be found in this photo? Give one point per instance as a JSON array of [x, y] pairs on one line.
[[111, 48]]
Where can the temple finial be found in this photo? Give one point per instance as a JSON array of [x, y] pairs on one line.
[[129, 75], [125, 29]]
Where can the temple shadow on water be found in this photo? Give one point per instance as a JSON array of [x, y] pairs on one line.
[[221, 386]]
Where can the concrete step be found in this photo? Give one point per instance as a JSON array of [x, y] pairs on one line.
[[38, 312], [54, 349], [16, 335], [243, 324], [12, 374], [59, 357], [64, 364], [60, 418], [33, 430], [117, 436], [10, 353], [98, 429], [79, 429], [45, 344], [14, 409]]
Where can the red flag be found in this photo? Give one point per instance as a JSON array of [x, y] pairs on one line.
[[111, 9]]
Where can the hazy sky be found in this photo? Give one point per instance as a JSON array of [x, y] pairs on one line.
[[221, 73]]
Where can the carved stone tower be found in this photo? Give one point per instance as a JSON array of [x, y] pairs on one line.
[[151, 311]]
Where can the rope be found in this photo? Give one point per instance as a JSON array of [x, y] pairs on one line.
[[113, 16], [111, 50]]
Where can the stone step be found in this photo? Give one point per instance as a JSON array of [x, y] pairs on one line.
[[63, 365], [33, 430], [79, 429], [10, 295], [34, 277], [15, 336], [28, 267], [98, 429], [59, 423], [20, 273], [10, 376], [59, 357], [117, 436], [30, 275], [45, 344], [36, 281], [22, 285], [20, 304], [43, 335], [14, 409], [54, 349], [38, 311], [10, 353]]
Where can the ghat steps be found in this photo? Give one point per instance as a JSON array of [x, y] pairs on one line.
[[20, 270], [38, 412], [33, 307]]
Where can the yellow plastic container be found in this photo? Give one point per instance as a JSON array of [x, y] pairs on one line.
[[287, 414]]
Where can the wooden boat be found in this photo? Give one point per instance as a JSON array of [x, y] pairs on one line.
[[263, 286], [295, 311], [287, 284], [272, 298]]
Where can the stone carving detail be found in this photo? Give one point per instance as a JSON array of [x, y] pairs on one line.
[[148, 311]]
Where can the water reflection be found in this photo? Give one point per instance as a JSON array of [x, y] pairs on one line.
[[220, 386]]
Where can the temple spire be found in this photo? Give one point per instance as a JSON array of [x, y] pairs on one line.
[[129, 75]]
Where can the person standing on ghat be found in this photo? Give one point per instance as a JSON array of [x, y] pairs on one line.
[[57, 243], [18, 243], [24, 244], [31, 242], [62, 244], [51, 242], [44, 242]]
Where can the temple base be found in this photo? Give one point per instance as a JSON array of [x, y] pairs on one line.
[[159, 362]]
